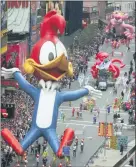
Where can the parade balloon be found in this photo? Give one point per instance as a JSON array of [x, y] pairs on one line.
[[49, 63], [104, 62], [120, 27]]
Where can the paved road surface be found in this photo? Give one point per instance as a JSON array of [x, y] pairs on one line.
[[85, 128]]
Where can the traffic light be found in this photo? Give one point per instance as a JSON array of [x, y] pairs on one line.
[[103, 128], [110, 129]]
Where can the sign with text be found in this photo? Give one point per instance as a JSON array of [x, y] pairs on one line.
[[17, 4], [9, 83], [15, 56], [34, 36], [57, 5]]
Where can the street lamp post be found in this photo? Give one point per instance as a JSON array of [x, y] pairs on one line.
[[105, 131]]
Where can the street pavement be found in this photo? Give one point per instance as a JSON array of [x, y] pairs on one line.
[[126, 163], [84, 128], [109, 161]]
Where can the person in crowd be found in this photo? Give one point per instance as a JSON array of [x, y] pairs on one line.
[[73, 111], [44, 160], [76, 141], [44, 145], [121, 149], [131, 162], [109, 109], [32, 149], [74, 150], [122, 95], [37, 160], [77, 111], [63, 117], [94, 119], [82, 145], [39, 148]]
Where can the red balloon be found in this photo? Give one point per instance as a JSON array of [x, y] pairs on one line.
[[116, 75], [118, 61]]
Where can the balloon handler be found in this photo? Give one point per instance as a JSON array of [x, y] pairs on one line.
[[49, 63]]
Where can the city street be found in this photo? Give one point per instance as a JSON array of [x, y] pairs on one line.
[[84, 128]]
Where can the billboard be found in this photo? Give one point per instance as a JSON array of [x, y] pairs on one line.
[[9, 83], [59, 6], [3, 33], [16, 55], [34, 26], [17, 4]]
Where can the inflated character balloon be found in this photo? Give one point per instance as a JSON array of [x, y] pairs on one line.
[[115, 44], [103, 62], [49, 63], [121, 30]]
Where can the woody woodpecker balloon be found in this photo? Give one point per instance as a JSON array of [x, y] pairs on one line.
[[49, 63]]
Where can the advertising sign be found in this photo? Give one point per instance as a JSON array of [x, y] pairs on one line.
[[9, 83], [59, 6], [34, 35], [17, 4], [15, 56], [7, 111], [3, 32]]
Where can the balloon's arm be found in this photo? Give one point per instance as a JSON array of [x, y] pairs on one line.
[[109, 26], [25, 85], [74, 95], [130, 27]]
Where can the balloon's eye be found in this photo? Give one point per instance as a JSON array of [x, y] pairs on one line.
[[51, 56], [47, 52]]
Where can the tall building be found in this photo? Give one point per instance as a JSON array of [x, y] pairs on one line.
[[73, 15], [90, 12], [125, 6]]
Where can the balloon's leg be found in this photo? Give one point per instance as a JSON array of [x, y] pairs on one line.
[[12, 141], [67, 140]]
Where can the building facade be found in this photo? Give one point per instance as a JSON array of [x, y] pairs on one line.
[[125, 6], [90, 12]]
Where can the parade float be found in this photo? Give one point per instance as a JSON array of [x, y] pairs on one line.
[[105, 70], [88, 103]]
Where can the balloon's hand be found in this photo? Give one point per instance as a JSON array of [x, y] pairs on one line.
[[128, 35], [93, 92], [8, 73]]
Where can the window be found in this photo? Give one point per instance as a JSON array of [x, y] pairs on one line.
[[109, 4], [95, 9], [129, 6]]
